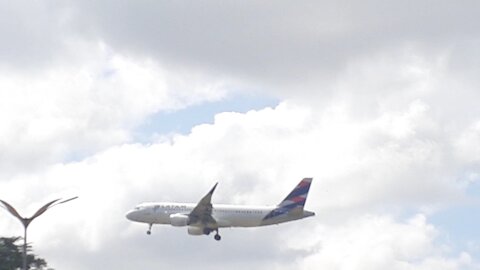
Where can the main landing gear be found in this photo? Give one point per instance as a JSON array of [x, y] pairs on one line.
[[217, 236], [149, 229]]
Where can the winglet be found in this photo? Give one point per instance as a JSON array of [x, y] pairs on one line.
[[213, 189], [208, 197], [206, 200]]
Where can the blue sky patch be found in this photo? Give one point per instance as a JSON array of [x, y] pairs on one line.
[[460, 224], [182, 121]]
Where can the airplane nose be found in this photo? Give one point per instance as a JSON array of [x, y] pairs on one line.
[[131, 215]]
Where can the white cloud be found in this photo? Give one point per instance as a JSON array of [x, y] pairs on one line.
[[68, 112], [379, 242], [286, 46], [374, 166], [468, 144], [370, 151]]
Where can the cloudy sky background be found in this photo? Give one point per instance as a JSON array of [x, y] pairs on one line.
[[121, 102]]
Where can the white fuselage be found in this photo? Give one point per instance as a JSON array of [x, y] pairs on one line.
[[204, 217], [225, 215]]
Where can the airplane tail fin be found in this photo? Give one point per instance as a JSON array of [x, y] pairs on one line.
[[298, 196], [294, 202]]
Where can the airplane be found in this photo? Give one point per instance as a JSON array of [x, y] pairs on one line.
[[204, 217]]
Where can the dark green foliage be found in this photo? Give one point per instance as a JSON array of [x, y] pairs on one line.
[[11, 255]]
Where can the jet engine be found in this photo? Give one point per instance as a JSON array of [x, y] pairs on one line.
[[179, 220], [192, 230]]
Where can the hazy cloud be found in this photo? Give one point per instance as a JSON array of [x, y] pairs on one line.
[[293, 43]]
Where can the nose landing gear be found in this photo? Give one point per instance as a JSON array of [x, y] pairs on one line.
[[149, 231]]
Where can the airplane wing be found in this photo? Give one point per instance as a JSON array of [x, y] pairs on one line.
[[201, 215]]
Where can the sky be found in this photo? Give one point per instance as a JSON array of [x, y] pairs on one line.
[[121, 102]]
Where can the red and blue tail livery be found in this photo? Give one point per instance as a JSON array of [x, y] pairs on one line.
[[298, 196], [294, 201]]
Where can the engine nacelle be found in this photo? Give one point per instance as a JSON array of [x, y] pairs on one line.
[[179, 220], [192, 230]]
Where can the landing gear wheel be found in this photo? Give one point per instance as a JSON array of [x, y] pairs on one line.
[[217, 237], [149, 232]]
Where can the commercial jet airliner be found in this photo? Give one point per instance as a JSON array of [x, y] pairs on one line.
[[204, 218]]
